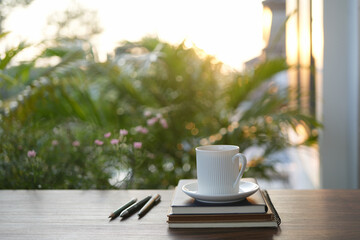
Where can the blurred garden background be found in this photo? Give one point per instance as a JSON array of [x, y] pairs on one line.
[[72, 116]]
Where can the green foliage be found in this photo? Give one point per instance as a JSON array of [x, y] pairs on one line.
[[168, 98], [244, 84]]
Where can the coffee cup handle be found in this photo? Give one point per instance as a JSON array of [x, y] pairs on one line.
[[243, 161]]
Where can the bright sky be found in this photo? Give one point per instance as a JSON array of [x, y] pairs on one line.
[[230, 30]]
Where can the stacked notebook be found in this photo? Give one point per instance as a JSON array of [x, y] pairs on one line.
[[255, 211]]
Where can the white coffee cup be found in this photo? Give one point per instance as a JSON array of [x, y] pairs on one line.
[[218, 169]]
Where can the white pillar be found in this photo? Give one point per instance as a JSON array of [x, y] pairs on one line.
[[339, 139]]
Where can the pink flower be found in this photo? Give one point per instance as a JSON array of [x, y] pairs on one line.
[[114, 141], [164, 123], [147, 113], [107, 135], [141, 129], [152, 121], [31, 153], [123, 132], [98, 142], [76, 143], [137, 145], [54, 142]]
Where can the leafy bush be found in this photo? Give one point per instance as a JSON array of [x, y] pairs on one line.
[[133, 120]]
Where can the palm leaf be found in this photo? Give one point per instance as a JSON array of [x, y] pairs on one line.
[[3, 34], [10, 54], [244, 84]]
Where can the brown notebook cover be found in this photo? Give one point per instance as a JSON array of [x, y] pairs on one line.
[[268, 219]]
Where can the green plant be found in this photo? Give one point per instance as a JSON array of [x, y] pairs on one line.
[[66, 111], [262, 116]]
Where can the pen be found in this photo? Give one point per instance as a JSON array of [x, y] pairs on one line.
[[271, 205], [122, 208], [152, 202], [133, 208]]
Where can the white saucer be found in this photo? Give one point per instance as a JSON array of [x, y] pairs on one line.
[[246, 189]]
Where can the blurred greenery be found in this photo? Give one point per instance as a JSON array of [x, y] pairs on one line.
[[68, 120]]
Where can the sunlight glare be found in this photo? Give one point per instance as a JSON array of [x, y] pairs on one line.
[[267, 21], [229, 30]]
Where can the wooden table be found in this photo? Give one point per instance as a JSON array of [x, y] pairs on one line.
[[78, 214]]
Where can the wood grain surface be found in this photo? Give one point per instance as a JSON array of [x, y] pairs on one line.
[[83, 214]]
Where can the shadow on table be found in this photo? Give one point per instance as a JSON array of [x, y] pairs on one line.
[[223, 233]]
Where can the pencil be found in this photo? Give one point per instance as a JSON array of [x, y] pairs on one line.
[[152, 202], [122, 208], [134, 207]]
